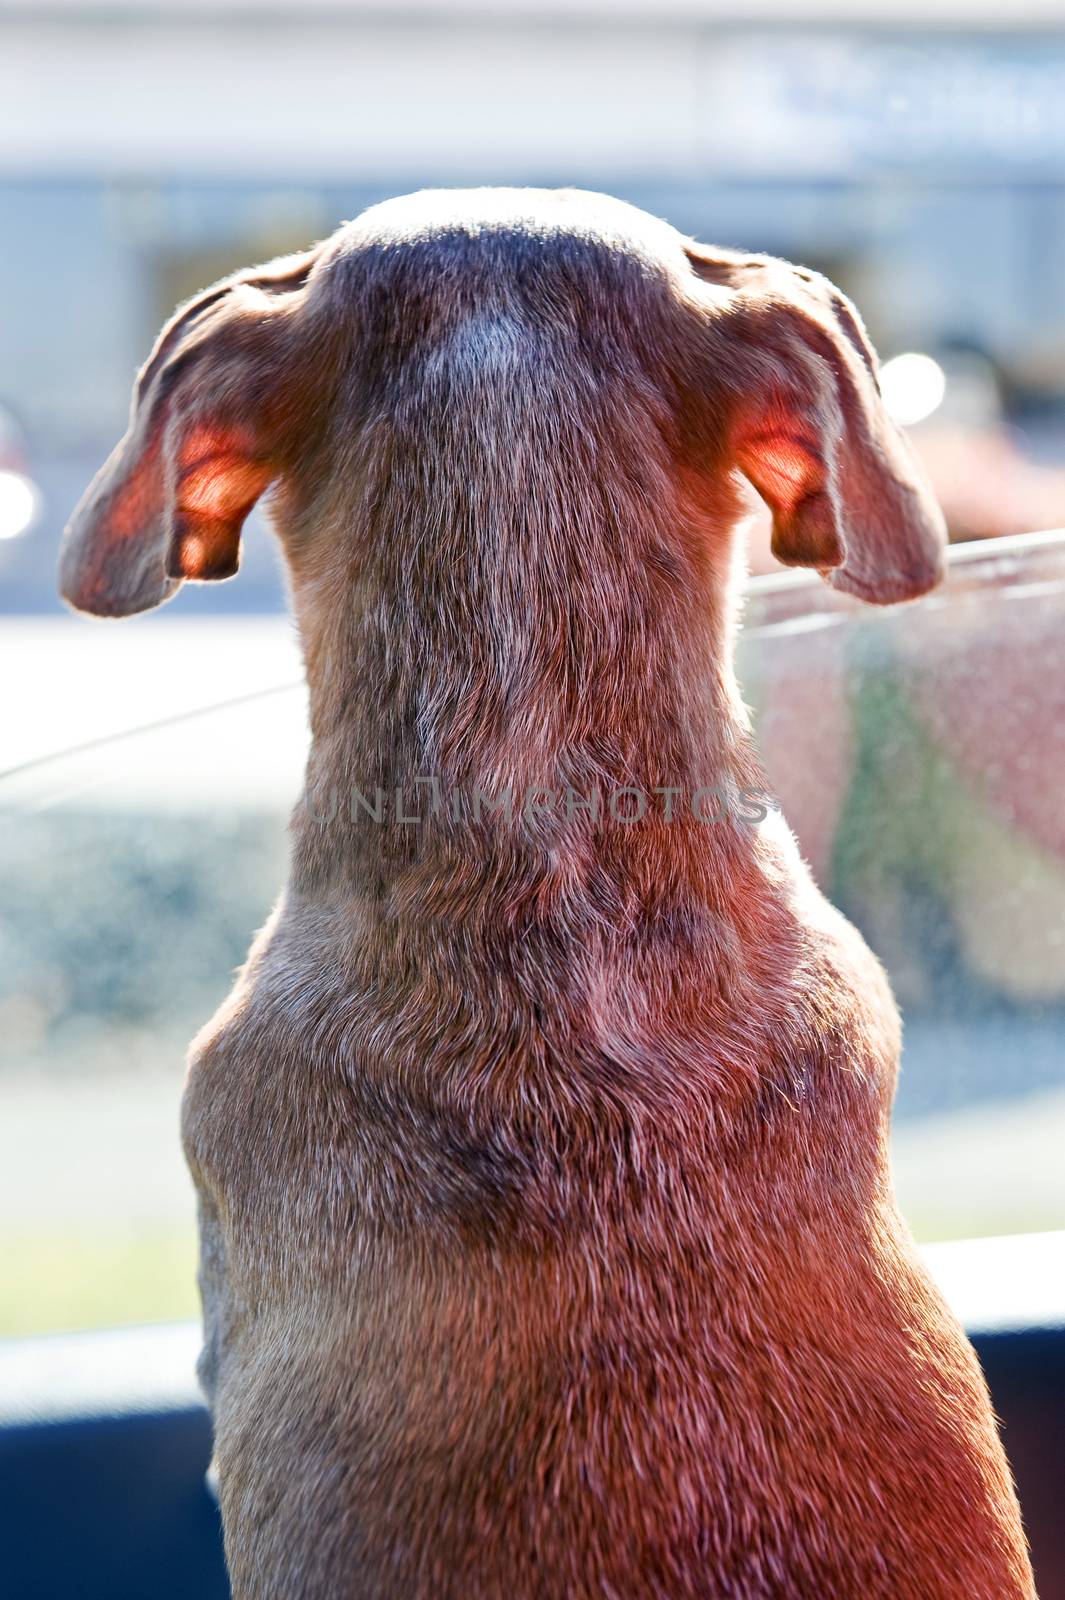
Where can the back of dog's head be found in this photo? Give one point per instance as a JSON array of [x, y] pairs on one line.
[[504, 376]]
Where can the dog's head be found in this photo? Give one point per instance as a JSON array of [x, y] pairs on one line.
[[745, 363]]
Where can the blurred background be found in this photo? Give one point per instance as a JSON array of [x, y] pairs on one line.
[[914, 151]]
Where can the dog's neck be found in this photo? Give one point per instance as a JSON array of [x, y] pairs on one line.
[[507, 712]]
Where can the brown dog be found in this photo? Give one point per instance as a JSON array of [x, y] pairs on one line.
[[548, 1240]]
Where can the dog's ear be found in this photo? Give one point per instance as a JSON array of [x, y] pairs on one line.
[[796, 380], [209, 428]]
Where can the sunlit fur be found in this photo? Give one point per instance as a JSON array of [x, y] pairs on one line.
[[548, 1243]]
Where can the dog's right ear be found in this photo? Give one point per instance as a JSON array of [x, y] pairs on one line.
[[211, 421], [795, 381]]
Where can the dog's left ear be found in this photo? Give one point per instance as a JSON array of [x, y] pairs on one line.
[[795, 380], [209, 428]]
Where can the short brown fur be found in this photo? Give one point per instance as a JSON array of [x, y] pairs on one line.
[[548, 1240]]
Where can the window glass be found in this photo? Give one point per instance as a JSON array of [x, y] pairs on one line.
[[918, 753], [917, 160], [135, 872]]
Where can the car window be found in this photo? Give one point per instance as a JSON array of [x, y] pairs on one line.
[[135, 872], [919, 754]]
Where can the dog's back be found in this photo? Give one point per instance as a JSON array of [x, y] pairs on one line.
[[536, 1313], [548, 1240]]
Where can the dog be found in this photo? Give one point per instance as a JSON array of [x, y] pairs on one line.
[[548, 1244]]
